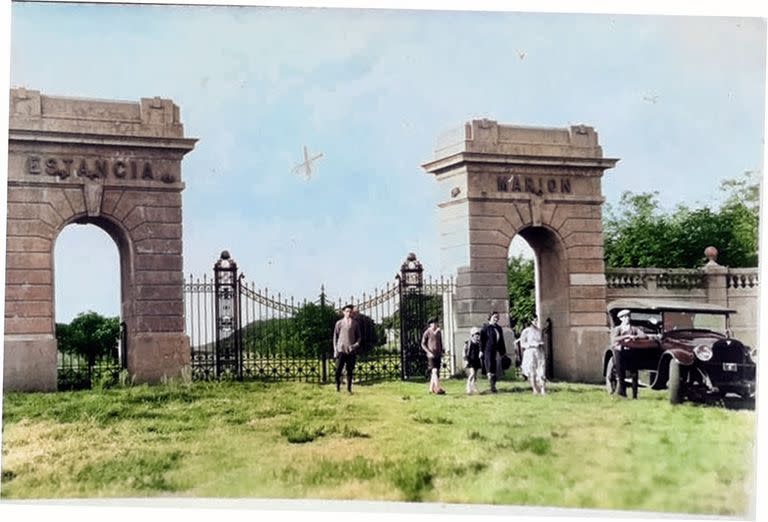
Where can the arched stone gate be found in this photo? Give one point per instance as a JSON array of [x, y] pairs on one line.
[[497, 181], [116, 165]]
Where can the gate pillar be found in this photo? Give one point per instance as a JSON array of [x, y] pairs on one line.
[[116, 165], [496, 181]]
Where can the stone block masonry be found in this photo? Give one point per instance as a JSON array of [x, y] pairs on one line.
[[497, 181], [116, 165]]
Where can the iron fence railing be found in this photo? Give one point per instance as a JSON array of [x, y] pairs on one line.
[[281, 340], [81, 372]]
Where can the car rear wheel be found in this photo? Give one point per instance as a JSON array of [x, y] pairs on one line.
[[675, 384], [611, 377]]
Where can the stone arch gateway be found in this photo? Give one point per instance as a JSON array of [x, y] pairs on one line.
[[116, 165], [497, 181]]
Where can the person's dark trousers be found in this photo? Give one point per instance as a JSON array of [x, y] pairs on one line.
[[492, 380], [490, 365], [345, 360], [621, 373]]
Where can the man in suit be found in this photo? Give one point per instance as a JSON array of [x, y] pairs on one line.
[[492, 344]]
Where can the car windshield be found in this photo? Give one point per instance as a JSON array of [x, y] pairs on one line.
[[698, 320], [645, 317]]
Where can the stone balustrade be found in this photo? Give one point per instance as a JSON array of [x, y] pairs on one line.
[[685, 278], [739, 278], [671, 278]]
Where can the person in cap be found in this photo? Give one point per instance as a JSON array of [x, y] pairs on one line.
[[472, 359], [346, 341], [492, 347], [624, 332], [432, 344], [534, 365]]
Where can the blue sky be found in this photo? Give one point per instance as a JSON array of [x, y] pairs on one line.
[[679, 99]]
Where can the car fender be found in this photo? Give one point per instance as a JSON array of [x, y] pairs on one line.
[[681, 355]]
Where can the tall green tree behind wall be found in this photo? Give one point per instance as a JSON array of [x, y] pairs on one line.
[[639, 234]]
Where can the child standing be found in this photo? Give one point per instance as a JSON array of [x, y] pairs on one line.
[[472, 359]]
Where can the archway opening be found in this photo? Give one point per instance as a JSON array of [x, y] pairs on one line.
[[88, 314], [522, 269], [537, 278]]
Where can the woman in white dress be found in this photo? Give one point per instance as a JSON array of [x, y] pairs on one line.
[[534, 365]]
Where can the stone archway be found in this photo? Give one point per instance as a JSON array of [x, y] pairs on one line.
[[497, 181], [116, 165]]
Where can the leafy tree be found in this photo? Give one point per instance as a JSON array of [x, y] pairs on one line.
[[372, 334], [89, 335], [732, 229], [745, 190], [742, 210], [274, 336], [312, 328], [522, 291], [639, 234]]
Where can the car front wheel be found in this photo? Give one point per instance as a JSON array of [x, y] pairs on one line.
[[611, 377], [675, 384]]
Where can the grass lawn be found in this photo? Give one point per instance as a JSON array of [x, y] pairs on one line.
[[576, 447]]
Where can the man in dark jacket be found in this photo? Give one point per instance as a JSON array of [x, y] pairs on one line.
[[492, 344]]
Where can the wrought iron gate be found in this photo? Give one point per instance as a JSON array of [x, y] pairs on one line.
[[240, 332], [413, 319]]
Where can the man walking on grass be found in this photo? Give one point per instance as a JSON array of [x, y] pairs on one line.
[[346, 341]]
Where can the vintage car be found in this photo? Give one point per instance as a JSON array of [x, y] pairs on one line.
[[685, 347]]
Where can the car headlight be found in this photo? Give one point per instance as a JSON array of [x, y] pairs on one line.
[[753, 354], [703, 352]]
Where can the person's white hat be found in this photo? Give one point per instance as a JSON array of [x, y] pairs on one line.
[[623, 313], [474, 330]]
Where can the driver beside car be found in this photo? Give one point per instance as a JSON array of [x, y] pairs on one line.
[[623, 332]]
